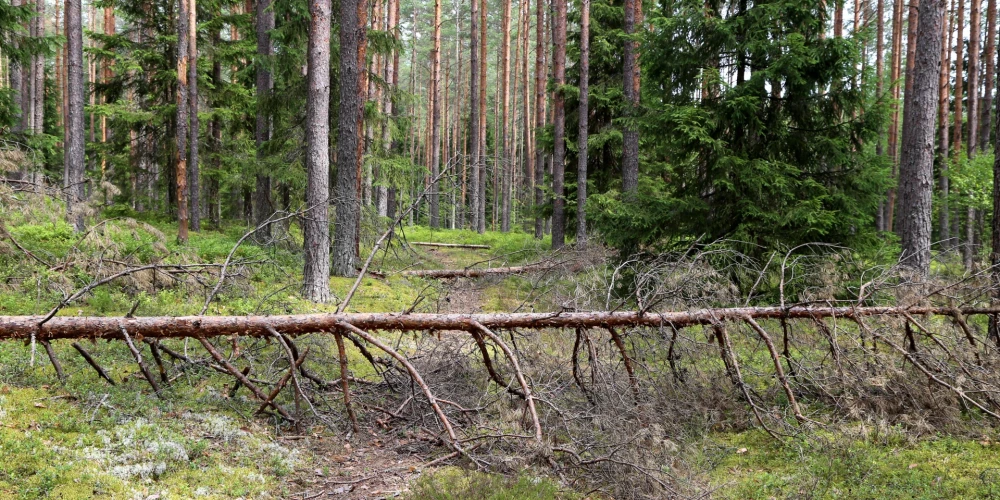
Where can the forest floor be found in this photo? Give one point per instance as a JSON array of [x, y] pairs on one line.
[[86, 439]]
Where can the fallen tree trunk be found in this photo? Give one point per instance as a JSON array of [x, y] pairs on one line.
[[448, 245], [74, 327], [478, 272]]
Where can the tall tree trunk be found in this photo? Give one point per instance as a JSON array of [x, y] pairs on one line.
[[74, 156], [581, 173], [559, 127], [838, 19], [504, 158], [262, 204], [893, 139], [973, 93], [474, 106], [316, 223], [991, 77], [944, 218], [540, 79], [483, 43], [956, 133], [195, 187], [183, 109], [38, 98], [353, 43], [214, 206], [630, 136], [435, 102], [917, 160]]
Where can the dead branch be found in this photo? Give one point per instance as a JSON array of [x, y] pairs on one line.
[[488, 362], [54, 360], [239, 376], [282, 382], [344, 382], [632, 381], [415, 375], [86, 355], [778, 370], [520, 379], [138, 359]]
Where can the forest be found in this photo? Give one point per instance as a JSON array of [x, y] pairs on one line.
[[499, 249]]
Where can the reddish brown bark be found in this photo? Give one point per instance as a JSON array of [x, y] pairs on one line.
[[75, 327]]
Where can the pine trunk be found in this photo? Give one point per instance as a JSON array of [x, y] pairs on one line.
[[581, 173], [505, 159], [316, 223], [435, 101], [74, 156], [483, 43], [917, 160], [990, 75], [559, 127], [943, 158], [353, 40], [183, 109], [193, 177], [262, 205], [630, 134], [474, 105]]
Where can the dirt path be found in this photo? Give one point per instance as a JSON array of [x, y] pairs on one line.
[[459, 295]]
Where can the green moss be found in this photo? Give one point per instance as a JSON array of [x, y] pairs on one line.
[[849, 463], [459, 484]]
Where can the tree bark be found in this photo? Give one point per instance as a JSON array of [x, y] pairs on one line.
[[182, 119], [74, 139], [956, 132], [71, 327], [505, 146], [893, 140], [917, 160], [991, 77], [195, 187], [581, 173], [435, 102], [316, 222], [540, 79], [483, 44], [559, 126], [630, 134], [474, 106], [353, 41], [944, 218], [263, 206]]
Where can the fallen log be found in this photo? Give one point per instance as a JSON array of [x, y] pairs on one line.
[[479, 272], [76, 327], [448, 245]]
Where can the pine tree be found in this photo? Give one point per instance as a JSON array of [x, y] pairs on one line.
[[917, 159], [316, 226]]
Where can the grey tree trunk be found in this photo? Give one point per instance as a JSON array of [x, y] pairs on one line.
[[581, 173], [353, 40], [483, 43], [630, 136], [195, 187], [74, 156], [262, 205], [944, 219], [917, 160], [474, 116], [316, 222], [505, 159], [559, 128], [434, 196], [991, 77], [182, 119], [16, 84], [38, 73], [539, 115]]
